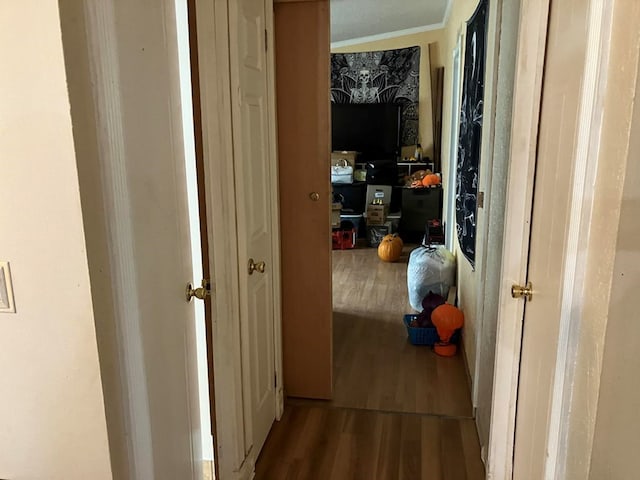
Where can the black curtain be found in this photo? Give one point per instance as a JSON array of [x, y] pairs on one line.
[[470, 136]]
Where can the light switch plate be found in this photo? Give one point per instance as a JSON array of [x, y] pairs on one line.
[[7, 305]]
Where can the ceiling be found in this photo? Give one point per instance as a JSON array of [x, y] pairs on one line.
[[352, 19]]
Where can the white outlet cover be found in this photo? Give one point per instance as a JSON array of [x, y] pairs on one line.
[[7, 305]]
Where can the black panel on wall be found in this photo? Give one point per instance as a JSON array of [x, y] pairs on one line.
[[470, 136], [387, 76]]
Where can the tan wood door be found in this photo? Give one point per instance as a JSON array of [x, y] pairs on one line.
[[559, 117], [302, 82], [250, 115]]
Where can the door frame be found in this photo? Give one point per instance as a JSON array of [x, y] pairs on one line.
[[534, 18], [100, 126], [215, 87], [456, 91]]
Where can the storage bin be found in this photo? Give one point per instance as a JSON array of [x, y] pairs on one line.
[[375, 233], [345, 237], [357, 221], [425, 336], [419, 205], [351, 196]]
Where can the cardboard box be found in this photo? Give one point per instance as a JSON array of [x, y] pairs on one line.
[[335, 214], [349, 156], [377, 214], [383, 190]]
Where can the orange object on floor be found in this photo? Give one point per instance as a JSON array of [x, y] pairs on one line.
[[447, 319]]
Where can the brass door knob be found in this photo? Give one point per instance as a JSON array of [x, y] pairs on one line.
[[256, 266], [518, 291], [200, 293], [314, 196]]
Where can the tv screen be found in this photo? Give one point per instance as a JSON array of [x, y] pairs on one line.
[[373, 129]]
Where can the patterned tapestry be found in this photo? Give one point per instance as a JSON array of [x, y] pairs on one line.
[[389, 76], [470, 136]]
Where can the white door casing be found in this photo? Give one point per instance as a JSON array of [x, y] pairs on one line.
[[132, 81], [453, 146], [253, 182]]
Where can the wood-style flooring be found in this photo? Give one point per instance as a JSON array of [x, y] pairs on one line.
[[320, 442], [374, 365], [399, 411]]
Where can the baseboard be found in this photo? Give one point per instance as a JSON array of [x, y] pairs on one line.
[[452, 299], [467, 371]]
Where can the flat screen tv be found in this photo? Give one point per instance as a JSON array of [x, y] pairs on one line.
[[373, 129]]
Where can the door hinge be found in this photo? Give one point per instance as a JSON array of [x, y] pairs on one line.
[[266, 39], [480, 199], [275, 380]]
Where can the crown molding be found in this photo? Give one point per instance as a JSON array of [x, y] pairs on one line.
[[386, 35], [396, 33]]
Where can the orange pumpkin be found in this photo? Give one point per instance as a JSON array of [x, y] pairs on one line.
[[390, 248], [431, 179]]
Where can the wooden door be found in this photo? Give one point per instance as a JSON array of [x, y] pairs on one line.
[[302, 83], [558, 130], [251, 134]]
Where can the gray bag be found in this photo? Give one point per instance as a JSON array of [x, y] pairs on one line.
[[429, 270]]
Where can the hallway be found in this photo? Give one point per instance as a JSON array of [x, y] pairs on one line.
[[319, 442], [374, 365], [399, 412]]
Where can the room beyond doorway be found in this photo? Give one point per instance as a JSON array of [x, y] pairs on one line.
[[375, 367]]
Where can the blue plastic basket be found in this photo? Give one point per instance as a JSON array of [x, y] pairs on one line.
[[424, 336]]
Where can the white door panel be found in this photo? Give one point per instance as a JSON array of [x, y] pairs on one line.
[[249, 79]]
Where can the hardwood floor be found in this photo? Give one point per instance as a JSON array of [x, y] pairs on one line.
[[399, 412], [320, 442], [375, 367]]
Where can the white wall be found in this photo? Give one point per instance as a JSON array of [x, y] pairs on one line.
[[461, 11], [51, 404]]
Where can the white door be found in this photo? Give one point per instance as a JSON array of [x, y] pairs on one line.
[[547, 130], [128, 112], [252, 154], [557, 141]]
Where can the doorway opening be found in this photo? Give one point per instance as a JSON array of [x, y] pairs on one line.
[[386, 111], [195, 198]]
